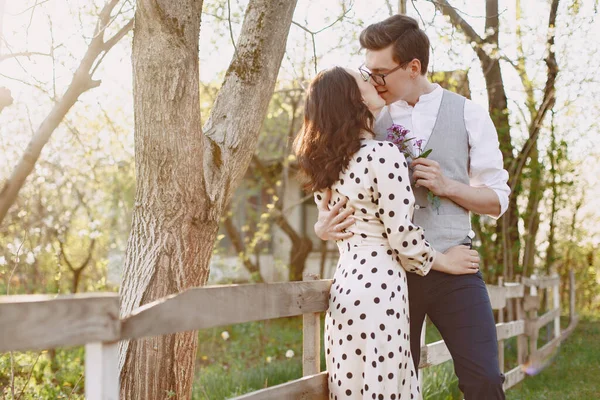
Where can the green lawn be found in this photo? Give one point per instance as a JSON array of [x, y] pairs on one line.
[[573, 375], [254, 356]]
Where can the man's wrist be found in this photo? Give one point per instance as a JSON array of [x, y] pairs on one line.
[[439, 263], [452, 188]]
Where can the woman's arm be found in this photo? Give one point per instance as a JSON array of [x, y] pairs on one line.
[[394, 197]]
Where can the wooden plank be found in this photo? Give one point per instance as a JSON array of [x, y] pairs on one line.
[[437, 352], [522, 339], [507, 330], [567, 332], [572, 315], [497, 296], [541, 283], [44, 322], [308, 388], [556, 305], [102, 371], [207, 307], [542, 321], [546, 351], [434, 354], [311, 338], [514, 290], [513, 377]]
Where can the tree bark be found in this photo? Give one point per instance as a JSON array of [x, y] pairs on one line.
[[507, 229], [507, 232], [185, 178], [531, 216], [550, 252]]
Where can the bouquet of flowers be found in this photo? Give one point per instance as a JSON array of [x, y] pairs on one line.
[[398, 135]]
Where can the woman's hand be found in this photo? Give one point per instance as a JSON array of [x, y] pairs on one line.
[[331, 223], [457, 260]]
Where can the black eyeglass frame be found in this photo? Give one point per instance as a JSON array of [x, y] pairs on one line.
[[366, 75]]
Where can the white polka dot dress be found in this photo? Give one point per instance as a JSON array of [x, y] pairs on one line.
[[367, 324]]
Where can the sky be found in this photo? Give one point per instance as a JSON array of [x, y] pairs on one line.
[[69, 23]]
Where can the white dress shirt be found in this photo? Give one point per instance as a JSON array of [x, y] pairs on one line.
[[486, 168]]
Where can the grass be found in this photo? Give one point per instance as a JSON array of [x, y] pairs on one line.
[[254, 357], [573, 375]]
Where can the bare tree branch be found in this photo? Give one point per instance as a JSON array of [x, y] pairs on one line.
[[27, 54], [457, 20], [314, 33], [82, 81], [32, 7], [389, 7], [401, 6], [548, 101], [238, 245], [230, 27]]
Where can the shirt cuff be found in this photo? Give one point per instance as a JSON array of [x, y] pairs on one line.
[[503, 200]]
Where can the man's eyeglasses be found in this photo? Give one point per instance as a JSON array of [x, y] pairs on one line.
[[379, 79]]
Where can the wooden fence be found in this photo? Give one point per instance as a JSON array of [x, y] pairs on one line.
[[41, 322]]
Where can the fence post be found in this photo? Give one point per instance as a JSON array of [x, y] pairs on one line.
[[311, 338], [500, 320], [533, 315], [102, 371], [556, 301], [521, 339]]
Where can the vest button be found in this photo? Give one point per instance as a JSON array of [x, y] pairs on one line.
[[417, 207]]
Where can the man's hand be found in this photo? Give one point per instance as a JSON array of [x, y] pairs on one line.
[[331, 223], [458, 260], [427, 173]]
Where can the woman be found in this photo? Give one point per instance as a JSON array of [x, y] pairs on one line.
[[367, 323]]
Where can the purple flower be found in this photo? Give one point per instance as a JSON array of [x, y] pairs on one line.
[[419, 144], [397, 134]]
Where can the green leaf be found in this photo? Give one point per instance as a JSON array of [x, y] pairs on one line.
[[424, 155], [434, 201]]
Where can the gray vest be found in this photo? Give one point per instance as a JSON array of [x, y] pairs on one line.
[[448, 225]]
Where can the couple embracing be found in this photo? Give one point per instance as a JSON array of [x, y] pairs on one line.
[[396, 165]]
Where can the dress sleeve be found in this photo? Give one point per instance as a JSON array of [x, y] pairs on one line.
[[319, 197], [388, 172]]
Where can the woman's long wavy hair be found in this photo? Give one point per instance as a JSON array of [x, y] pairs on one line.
[[334, 117]]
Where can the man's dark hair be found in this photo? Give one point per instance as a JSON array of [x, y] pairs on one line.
[[402, 32]]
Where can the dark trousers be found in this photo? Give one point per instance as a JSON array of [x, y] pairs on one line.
[[459, 306]]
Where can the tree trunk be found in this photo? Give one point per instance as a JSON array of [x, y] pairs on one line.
[[401, 6], [532, 215], [507, 229], [238, 245], [185, 179], [76, 279], [300, 251]]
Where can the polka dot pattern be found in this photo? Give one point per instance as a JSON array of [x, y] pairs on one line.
[[367, 323]]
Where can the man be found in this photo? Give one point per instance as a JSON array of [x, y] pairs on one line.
[[464, 170]]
